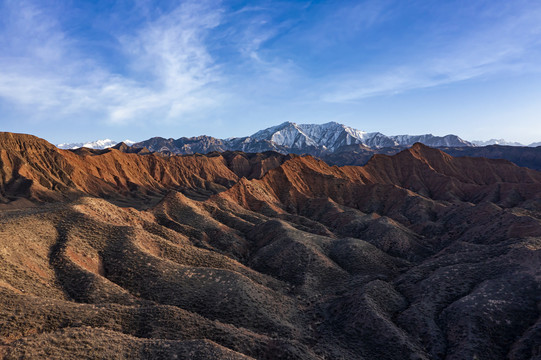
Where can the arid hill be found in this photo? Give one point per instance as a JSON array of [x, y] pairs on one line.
[[31, 168], [112, 254], [529, 157]]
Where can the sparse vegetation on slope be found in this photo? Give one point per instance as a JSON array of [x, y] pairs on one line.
[[233, 256]]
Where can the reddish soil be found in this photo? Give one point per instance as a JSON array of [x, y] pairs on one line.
[[112, 254]]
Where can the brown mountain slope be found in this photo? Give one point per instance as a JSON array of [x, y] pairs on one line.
[[359, 155], [416, 256], [438, 175], [420, 172], [32, 168]]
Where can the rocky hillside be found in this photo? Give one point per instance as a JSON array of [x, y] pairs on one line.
[[334, 143], [32, 168], [529, 157], [340, 145], [419, 255]]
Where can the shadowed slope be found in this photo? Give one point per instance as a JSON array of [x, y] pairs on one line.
[[433, 173], [32, 168], [424, 171], [419, 256]]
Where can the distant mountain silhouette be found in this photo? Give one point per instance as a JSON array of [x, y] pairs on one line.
[[289, 137]]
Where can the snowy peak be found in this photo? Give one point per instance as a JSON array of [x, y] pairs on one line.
[[289, 137], [332, 135], [287, 134], [431, 140], [496, 142], [329, 136], [98, 144]]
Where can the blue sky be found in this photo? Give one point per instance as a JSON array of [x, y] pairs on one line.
[[83, 70]]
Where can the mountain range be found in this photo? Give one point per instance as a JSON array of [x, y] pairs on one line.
[[500, 142], [233, 255], [98, 144], [334, 143], [288, 137]]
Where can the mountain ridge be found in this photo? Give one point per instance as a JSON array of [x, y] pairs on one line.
[[290, 137], [97, 144], [332, 142], [229, 255], [111, 172]]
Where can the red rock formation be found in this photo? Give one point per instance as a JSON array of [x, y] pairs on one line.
[[31, 167], [418, 255]]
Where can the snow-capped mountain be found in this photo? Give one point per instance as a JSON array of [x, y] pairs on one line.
[[331, 136], [431, 140], [288, 137], [332, 142], [496, 142], [98, 144]]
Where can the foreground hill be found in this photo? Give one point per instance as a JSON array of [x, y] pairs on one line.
[[529, 157], [34, 169], [234, 256]]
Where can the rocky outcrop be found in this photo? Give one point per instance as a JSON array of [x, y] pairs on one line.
[[419, 255]]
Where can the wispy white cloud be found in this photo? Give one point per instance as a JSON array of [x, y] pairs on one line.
[[208, 60], [260, 71], [171, 73], [510, 43], [171, 57]]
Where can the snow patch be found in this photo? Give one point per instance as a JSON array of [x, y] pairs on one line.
[[98, 144]]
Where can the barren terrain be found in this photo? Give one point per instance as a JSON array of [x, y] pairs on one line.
[[109, 254]]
